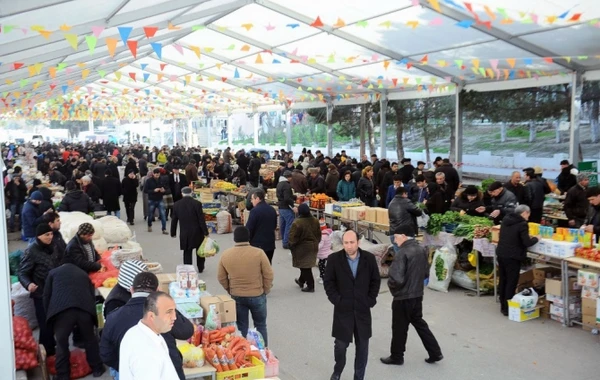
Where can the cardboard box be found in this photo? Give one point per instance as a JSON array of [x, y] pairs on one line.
[[560, 301], [495, 234], [225, 306], [371, 215], [589, 323], [526, 277], [357, 213], [557, 318], [554, 286], [328, 208], [588, 277], [543, 273], [164, 279], [383, 216], [588, 307], [588, 292], [515, 313], [574, 310]]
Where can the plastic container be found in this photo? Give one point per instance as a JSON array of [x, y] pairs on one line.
[[251, 373], [272, 368]]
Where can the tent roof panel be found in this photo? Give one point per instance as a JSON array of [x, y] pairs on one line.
[[133, 5], [225, 46], [279, 66], [578, 40]]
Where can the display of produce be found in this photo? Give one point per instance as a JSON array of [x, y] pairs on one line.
[[466, 226], [79, 365], [318, 201], [223, 185], [592, 254]]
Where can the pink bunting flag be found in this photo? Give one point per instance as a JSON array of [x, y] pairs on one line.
[[97, 30], [415, 3], [173, 78], [179, 48], [494, 64], [436, 21], [374, 58], [304, 58], [24, 30], [534, 18]]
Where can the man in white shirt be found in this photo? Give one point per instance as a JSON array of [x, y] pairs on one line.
[[144, 354]]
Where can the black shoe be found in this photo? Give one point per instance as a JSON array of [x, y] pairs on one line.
[[298, 282], [504, 312], [132, 223], [391, 360], [308, 290], [335, 376], [99, 372], [285, 246], [432, 360]]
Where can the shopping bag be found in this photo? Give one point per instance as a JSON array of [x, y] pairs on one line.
[[208, 248]]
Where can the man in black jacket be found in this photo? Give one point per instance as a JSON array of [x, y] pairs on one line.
[[70, 300], [352, 284], [285, 202], [402, 211], [262, 223], [592, 220], [406, 282], [536, 195], [59, 246], [81, 251], [576, 202], [155, 190], [128, 315], [517, 188]]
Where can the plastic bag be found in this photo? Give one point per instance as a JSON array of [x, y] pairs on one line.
[[255, 338], [527, 299], [115, 229], [23, 304], [213, 321], [23, 335], [14, 260], [98, 278], [440, 273], [193, 357], [119, 256], [223, 222], [208, 248], [79, 365], [422, 220]]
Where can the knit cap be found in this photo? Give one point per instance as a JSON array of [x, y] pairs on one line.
[[128, 270]]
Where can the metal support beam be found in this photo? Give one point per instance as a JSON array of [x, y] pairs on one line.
[[11, 8], [288, 129], [383, 104], [256, 120], [229, 130], [329, 129], [150, 133], [7, 371], [502, 35], [116, 10], [458, 132], [90, 121], [576, 90], [359, 41], [189, 132]]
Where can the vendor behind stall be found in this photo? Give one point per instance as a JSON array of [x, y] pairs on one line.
[[592, 222], [469, 202]]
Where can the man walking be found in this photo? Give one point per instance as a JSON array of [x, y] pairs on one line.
[[246, 274], [262, 223], [406, 282], [285, 202], [155, 190], [193, 228], [352, 284]]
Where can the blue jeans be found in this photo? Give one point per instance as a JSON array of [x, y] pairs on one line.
[[258, 307], [114, 373], [286, 218], [15, 208], [152, 206]]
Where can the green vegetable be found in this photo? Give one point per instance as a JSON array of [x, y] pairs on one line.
[[486, 183], [440, 271]]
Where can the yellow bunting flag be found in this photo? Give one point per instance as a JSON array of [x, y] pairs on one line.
[[245, 48], [386, 24], [45, 33], [247, 26], [386, 64], [511, 62], [435, 5], [475, 63], [85, 73], [52, 72], [65, 27], [72, 40], [160, 76], [111, 44], [339, 23], [31, 70], [258, 58], [195, 49], [413, 24], [173, 27], [118, 75]]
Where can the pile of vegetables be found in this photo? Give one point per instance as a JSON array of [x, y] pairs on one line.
[[25, 344], [469, 227], [79, 365]]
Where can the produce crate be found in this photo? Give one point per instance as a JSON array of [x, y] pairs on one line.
[[252, 373]]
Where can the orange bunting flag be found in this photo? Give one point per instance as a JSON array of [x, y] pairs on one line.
[[72, 40], [245, 48], [45, 33], [85, 73], [162, 66], [160, 76], [489, 12], [395, 81], [511, 62], [111, 44], [17, 65], [548, 59], [173, 27], [575, 17], [247, 26], [475, 63], [435, 5], [258, 59], [317, 23], [150, 31], [424, 60], [132, 44], [31, 71], [386, 64], [52, 72], [132, 75], [412, 24], [196, 49], [339, 23]]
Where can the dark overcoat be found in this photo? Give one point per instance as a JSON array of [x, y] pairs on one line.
[[192, 231]]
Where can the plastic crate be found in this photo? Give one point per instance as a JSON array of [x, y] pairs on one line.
[[251, 373]]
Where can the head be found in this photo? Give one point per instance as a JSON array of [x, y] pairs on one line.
[[420, 180], [524, 211], [401, 191], [440, 178], [241, 235], [373, 158], [394, 166], [350, 241], [159, 312], [529, 174], [186, 191], [564, 164], [403, 233], [86, 232], [368, 171], [287, 175], [397, 181], [515, 178], [593, 196], [36, 197], [52, 219], [420, 165], [85, 180], [495, 189], [303, 210], [130, 279], [583, 179], [257, 196], [131, 174], [44, 233], [471, 193], [348, 175], [156, 173], [314, 172]]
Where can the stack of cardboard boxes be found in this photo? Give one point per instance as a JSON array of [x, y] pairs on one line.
[[556, 299], [376, 215], [588, 279]]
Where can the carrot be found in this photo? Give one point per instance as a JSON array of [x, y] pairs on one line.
[[205, 338], [228, 329], [222, 358], [213, 359], [230, 359], [239, 358], [256, 354]]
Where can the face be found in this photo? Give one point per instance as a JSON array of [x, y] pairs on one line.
[[164, 320], [86, 238], [132, 175], [516, 178], [56, 225], [255, 200], [397, 184], [471, 198], [350, 243], [399, 239], [420, 166], [526, 215], [156, 175], [347, 177], [594, 201], [585, 182], [46, 238], [495, 193], [421, 184], [395, 167], [370, 174], [440, 180]]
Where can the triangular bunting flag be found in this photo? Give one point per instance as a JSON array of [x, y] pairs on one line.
[[38, 68], [97, 30], [424, 59], [132, 45], [179, 48], [475, 63], [236, 74], [31, 71], [160, 76], [143, 65], [72, 39], [91, 43], [132, 76], [157, 47], [146, 76], [118, 75], [511, 62], [85, 73], [111, 44], [17, 65], [150, 31], [64, 89], [245, 48], [196, 50], [162, 66], [317, 23], [258, 59], [52, 72], [45, 33], [102, 73], [173, 27], [124, 32]]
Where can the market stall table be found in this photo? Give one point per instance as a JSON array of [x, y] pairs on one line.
[[575, 262], [205, 371]]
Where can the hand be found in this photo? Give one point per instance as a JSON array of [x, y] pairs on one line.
[[156, 190], [102, 268], [424, 201], [589, 228], [480, 209], [32, 287], [47, 211], [295, 209], [539, 237], [571, 222], [495, 213]]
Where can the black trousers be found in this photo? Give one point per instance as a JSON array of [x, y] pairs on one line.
[[306, 277], [509, 270], [322, 266], [130, 210], [410, 312], [536, 215], [270, 255], [360, 359], [46, 337], [187, 259], [64, 324]]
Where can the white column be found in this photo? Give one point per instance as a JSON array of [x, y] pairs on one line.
[[162, 135], [150, 133], [458, 133], [288, 130], [189, 133], [576, 90], [383, 103], [174, 126], [256, 117], [229, 130], [329, 129], [7, 371]]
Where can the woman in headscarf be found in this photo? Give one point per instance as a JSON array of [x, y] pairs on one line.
[[469, 202], [305, 235]]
